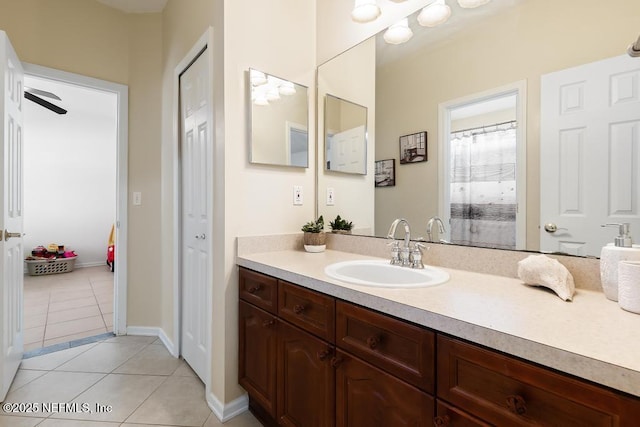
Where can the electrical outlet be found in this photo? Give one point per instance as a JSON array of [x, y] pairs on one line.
[[331, 196], [137, 198], [297, 195]]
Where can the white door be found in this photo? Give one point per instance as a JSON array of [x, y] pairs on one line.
[[11, 276], [589, 155], [196, 156]]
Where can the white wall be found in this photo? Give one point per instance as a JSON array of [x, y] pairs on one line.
[[70, 176]]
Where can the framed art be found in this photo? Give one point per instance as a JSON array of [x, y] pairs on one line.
[[385, 173], [413, 148]]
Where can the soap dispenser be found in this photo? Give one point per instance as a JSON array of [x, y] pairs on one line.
[[622, 249]]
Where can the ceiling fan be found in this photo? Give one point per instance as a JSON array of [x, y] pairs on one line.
[[34, 95]]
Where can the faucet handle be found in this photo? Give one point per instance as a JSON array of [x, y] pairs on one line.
[[395, 252], [416, 255]]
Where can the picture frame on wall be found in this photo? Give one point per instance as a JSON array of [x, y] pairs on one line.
[[385, 175], [413, 148]]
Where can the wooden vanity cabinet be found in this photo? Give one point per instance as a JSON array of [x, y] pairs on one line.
[[502, 390]]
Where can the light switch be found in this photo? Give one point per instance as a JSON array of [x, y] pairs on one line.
[[331, 197], [137, 198], [297, 195]]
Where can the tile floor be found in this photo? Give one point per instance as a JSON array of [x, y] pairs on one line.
[[64, 307], [136, 376]]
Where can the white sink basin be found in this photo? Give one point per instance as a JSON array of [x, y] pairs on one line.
[[383, 274]]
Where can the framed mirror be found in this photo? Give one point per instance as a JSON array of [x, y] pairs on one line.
[[345, 136], [279, 121]]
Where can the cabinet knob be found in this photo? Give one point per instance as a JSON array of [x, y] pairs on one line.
[[336, 361], [254, 289], [516, 404], [373, 342], [322, 355], [442, 421], [298, 308], [268, 323]]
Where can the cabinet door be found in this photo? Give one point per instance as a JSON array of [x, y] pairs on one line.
[[367, 396], [257, 356], [306, 380], [449, 416]]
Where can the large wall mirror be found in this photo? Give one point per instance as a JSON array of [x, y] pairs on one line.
[[528, 44], [279, 114]]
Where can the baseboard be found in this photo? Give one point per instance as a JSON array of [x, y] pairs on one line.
[[154, 332], [232, 409], [91, 264]]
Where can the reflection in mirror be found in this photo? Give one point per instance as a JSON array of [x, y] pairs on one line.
[[488, 47], [279, 114], [345, 130]]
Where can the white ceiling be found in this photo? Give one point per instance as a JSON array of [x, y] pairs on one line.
[[136, 6]]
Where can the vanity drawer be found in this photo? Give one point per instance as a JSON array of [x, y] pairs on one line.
[[404, 350], [259, 290], [310, 310], [449, 416], [504, 391]]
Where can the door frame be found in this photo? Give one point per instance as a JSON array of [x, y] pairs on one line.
[[122, 160], [518, 88], [203, 47]]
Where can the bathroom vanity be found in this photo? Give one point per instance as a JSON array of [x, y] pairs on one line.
[[477, 350]]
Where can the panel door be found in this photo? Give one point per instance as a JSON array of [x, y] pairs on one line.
[[590, 154], [196, 155], [11, 192]]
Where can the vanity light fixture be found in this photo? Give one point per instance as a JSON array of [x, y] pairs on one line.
[[257, 78], [365, 11], [435, 14], [287, 88], [399, 32], [470, 4]]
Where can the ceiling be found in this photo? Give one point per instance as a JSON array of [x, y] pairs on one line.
[[136, 6]]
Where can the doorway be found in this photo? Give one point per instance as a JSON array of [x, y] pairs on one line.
[[75, 191], [483, 168]]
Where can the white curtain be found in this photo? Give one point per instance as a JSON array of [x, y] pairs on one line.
[[483, 186]]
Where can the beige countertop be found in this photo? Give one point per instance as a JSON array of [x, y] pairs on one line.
[[590, 337]]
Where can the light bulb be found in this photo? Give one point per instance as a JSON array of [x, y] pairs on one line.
[[470, 4], [365, 11], [435, 14], [398, 32]]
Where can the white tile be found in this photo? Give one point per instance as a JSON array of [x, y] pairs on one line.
[[24, 376], [51, 361], [10, 421], [178, 401], [246, 419], [153, 360], [123, 393], [53, 387], [104, 357], [74, 423]]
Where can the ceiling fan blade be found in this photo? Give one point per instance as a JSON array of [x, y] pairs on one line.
[[42, 93], [44, 103]]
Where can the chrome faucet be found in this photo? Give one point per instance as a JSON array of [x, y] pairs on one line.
[[400, 255], [430, 226]]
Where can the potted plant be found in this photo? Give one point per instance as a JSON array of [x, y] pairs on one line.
[[341, 226], [314, 237]]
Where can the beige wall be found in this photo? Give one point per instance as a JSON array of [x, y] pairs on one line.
[[525, 42], [88, 38], [250, 199]]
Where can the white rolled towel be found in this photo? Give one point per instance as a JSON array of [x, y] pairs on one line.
[[629, 285]]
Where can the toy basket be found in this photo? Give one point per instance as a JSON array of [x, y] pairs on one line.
[[50, 266]]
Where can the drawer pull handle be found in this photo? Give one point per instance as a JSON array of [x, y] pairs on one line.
[[322, 355], [336, 361], [442, 421], [298, 308], [373, 342], [268, 323], [254, 289], [516, 404]]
